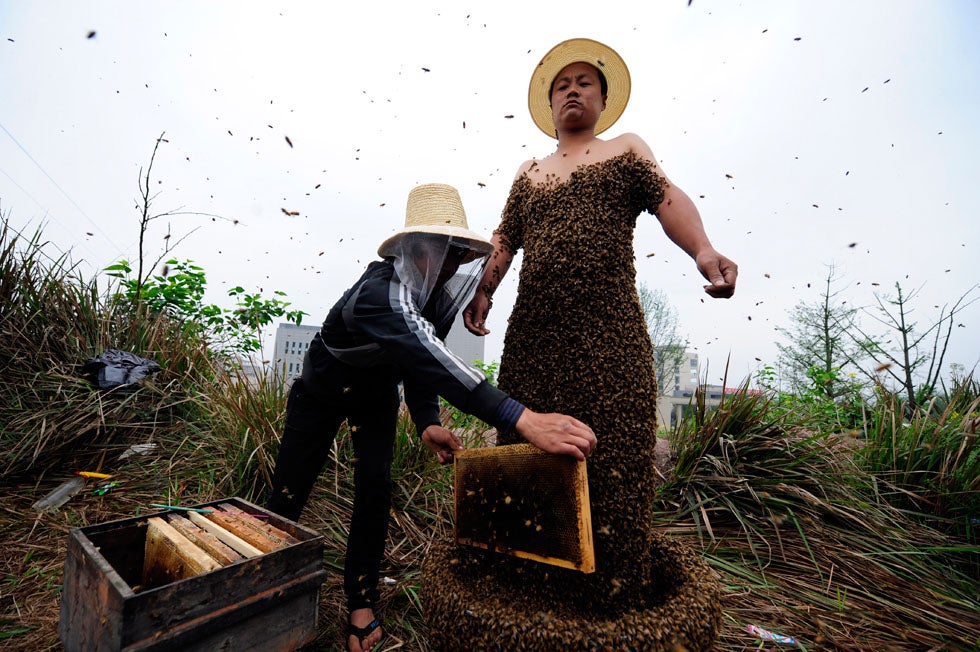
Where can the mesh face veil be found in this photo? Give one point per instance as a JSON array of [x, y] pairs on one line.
[[441, 272]]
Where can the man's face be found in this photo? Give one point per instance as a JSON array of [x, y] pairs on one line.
[[438, 252], [576, 95], [454, 258]]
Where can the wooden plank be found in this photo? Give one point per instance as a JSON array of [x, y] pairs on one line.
[[92, 598], [292, 528], [236, 526], [206, 541], [281, 618], [281, 537], [169, 556], [521, 501], [236, 543]]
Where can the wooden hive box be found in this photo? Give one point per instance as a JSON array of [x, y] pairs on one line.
[[521, 501], [267, 601]]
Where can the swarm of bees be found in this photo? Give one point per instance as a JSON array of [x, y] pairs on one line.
[[475, 600], [577, 344]]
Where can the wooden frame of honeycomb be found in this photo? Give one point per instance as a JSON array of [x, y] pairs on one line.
[[521, 501]]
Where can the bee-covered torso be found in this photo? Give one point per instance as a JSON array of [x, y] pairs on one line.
[[577, 340]]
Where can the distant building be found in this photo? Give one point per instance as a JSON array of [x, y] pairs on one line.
[[251, 370], [292, 341], [686, 373], [673, 401]]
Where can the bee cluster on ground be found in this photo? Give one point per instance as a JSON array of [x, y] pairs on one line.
[[578, 344], [476, 600]]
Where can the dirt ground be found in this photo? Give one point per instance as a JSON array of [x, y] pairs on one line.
[[663, 460]]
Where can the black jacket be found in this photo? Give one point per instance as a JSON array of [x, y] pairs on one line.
[[377, 323]]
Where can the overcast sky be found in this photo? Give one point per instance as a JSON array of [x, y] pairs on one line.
[[808, 133]]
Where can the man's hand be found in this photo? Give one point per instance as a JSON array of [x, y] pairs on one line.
[[475, 314], [720, 271], [442, 442], [557, 433]]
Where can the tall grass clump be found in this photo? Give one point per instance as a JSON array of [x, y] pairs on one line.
[[807, 541], [52, 320], [237, 435], [929, 461], [55, 421]]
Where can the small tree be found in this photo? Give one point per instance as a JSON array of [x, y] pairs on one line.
[[663, 326], [143, 207], [818, 348], [911, 357], [178, 290]]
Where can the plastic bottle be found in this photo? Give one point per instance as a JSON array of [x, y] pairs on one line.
[[60, 495]]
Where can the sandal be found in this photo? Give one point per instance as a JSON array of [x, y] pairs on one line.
[[362, 632]]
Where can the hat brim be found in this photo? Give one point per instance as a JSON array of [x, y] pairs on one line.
[[579, 50], [477, 242]]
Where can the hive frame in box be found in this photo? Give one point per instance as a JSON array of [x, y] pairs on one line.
[[269, 602], [522, 501]]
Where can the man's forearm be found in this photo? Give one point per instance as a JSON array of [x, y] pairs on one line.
[[682, 223]]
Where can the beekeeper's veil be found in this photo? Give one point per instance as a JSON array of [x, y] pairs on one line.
[[437, 257]]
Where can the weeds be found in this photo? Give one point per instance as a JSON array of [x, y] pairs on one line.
[[931, 462], [809, 540]]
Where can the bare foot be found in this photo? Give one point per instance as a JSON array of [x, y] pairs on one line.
[[363, 618]]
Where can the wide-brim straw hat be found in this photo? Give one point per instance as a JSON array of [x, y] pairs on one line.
[[436, 208], [579, 50]]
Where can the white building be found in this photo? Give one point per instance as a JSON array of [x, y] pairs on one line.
[[292, 341], [673, 400], [685, 374]]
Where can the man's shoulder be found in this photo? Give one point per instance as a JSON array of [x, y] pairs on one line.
[[379, 268], [377, 275], [630, 142]]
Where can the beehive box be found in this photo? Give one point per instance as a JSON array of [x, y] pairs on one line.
[[521, 501], [265, 602]]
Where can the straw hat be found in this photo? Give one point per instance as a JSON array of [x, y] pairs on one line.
[[436, 208], [577, 50]]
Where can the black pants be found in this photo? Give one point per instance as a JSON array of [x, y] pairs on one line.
[[328, 393]]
